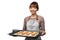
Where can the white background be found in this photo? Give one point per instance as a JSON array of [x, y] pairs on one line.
[[13, 12]]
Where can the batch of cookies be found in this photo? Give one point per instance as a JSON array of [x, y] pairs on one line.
[[26, 33]]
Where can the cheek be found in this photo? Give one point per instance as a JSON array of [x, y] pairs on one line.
[[35, 9]]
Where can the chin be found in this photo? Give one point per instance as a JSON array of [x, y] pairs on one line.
[[32, 13]]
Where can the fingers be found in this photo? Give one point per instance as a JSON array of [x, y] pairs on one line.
[[43, 33]]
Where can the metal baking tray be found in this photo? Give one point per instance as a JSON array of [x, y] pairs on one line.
[[22, 33]]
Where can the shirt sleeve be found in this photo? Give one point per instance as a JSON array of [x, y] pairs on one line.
[[42, 24], [24, 24]]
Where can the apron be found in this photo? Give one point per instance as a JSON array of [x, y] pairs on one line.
[[32, 25]]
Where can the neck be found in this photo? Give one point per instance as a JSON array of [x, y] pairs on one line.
[[34, 14]]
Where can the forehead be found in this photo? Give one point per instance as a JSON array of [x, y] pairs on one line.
[[32, 5]]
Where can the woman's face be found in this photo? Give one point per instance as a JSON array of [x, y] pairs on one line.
[[33, 10]]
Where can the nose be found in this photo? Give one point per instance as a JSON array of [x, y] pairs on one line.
[[32, 8]]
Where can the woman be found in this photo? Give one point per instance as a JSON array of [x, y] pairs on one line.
[[34, 22]]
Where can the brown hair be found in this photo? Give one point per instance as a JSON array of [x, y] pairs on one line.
[[34, 4]]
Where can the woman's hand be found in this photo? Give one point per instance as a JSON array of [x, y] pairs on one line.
[[43, 33]]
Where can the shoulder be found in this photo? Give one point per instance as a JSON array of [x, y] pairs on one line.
[[26, 18], [40, 17]]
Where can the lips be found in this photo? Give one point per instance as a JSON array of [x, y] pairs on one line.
[[32, 11]]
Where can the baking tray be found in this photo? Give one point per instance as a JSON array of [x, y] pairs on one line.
[[13, 33]]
